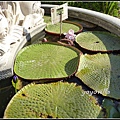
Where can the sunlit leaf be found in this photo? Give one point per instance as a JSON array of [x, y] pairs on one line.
[[66, 26], [101, 72], [46, 61], [98, 41], [54, 100]]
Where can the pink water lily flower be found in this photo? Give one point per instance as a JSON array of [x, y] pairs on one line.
[[70, 35]]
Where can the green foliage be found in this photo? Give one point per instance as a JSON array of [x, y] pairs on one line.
[[110, 8]]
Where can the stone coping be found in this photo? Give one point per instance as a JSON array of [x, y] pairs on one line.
[[105, 21]]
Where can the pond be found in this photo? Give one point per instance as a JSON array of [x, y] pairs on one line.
[[7, 90]]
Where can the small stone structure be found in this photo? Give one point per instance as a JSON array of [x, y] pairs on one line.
[[19, 22]]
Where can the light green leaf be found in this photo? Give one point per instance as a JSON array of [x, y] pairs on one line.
[[46, 61], [66, 26], [98, 41], [53, 100], [101, 72]]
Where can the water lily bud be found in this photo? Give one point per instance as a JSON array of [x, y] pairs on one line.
[[15, 78]]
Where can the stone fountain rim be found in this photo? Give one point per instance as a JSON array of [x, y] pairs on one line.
[[106, 21]]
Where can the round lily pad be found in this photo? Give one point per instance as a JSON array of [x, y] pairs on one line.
[[47, 60], [66, 26], [101, 72], [98, 41], [53, 100]]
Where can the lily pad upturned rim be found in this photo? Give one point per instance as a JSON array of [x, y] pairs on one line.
[[61, 75], [100, 72], [66, 21]]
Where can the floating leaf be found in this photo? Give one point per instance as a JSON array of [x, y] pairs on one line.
[[98, 41], [66, 26], [53, 100], [101, 72], [46, 61]]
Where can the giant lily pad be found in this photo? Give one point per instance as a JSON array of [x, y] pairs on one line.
[[98, 41], [46, 61], [66, 26], [101, 72], [53, 100]]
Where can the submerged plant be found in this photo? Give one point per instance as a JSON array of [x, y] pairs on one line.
[[111, 109]]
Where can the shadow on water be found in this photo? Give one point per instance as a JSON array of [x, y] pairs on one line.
[[111, 104], [73, 63], [110, 46], [114, 86]]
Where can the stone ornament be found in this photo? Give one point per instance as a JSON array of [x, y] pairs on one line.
[[3, 27], [33, 13], [16, 19]]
